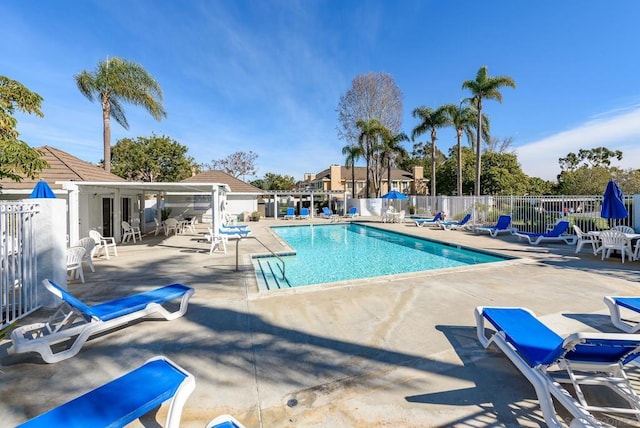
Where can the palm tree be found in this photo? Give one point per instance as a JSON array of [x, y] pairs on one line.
[[431, 120], [353, 153], [464, 120], [484, 87], [116, 81], [370, 130], [391, 146]]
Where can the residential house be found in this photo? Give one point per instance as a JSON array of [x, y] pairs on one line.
[[338, 178]]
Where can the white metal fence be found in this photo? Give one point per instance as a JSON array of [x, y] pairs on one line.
[[18, 295], [528, 213]]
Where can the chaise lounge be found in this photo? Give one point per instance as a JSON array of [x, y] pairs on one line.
[[558, 233], [547, 360], [631, 305], [502, 226], [452, 225], [77, 322], [422, 221], [125, 399]]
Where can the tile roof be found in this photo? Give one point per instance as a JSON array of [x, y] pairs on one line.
[[215, 176], [62, 167]]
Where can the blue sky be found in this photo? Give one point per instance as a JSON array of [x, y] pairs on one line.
[[266, 76]]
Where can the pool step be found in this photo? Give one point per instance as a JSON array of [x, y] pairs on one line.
[[269, 274]]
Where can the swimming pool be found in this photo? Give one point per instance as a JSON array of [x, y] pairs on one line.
[[340, 252]]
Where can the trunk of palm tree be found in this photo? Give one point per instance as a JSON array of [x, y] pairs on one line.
[[353, 178], [433, 163], [106, 132], [389, 175], [459, 184], [479, 148], [368, 156]]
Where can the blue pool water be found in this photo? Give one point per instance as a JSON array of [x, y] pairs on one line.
[[339, 252]]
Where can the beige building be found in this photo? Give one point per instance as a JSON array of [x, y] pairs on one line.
[[338, 178]]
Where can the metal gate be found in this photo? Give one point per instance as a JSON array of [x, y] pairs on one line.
[[18, 265]]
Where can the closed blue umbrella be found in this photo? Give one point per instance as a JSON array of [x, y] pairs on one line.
[[42, 190], [612, 205]]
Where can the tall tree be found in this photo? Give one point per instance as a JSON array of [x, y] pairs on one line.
[[153, 159], [484, 87], [238, 164], [430, 120], [463, 119], [353, 153], [370, 132], [391, 149], [371, 96], [273, 181], [17, 159], [114, 82]]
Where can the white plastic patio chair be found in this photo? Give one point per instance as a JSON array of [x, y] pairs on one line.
[[159, 226], [624, 229], [585, 238], [103, 243], [74, 263], [171, 224], [614, 240], [190, 226], [89, 246], [130, 232]]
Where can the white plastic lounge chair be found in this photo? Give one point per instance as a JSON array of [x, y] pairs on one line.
[[217, 242], [77, 321], [425, 221], [585, 238], [125, 399], [502, 226], [103, 243], [304, 214], [631, 306], [74, 263], [291, 214], [453, 225], [614, 240], [224, 421], [557, 234], [130, 232], [547, 360], [89, 246]]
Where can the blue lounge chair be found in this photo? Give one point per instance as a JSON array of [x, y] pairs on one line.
[[125, 399], [327, 213], [353, 212], [91, 320], [304, 214], [237, 232], [558, 233], [502, 226], [616, 305], [581, 359], [450, 225], [422, 221], [224, 421], [291, 214]]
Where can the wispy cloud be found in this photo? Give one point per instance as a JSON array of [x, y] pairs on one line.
[[617, 130]]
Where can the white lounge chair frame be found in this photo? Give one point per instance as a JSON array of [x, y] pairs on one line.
[[547, 382], [226, 421], [90, 407], [628, 326], [70, 321]]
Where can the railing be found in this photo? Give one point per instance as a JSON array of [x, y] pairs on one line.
[[261, 243], [18, 263]]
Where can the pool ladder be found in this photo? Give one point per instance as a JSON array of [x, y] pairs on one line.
[[267, 248]]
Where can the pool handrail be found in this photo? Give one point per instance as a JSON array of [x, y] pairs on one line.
[[267, 248]]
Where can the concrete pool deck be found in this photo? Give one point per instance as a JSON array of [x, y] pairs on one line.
[[392, 351]]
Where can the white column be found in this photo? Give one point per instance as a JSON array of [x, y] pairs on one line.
[[275, 206], [117, 215], [312, 210], [74, 214]]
